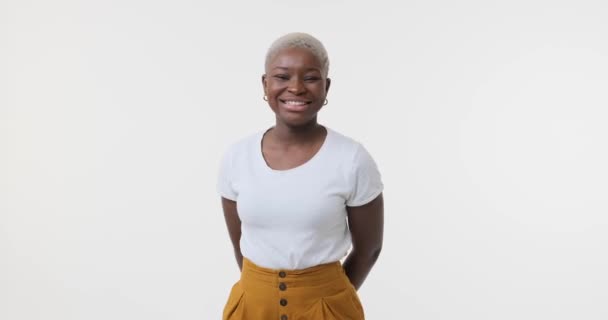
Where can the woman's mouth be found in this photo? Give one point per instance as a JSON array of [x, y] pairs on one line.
[[295, 105]]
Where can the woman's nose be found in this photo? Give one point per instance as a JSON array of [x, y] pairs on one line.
[[296, 86]]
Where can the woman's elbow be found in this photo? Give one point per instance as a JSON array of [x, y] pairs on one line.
[[375, 254], [370, 255]]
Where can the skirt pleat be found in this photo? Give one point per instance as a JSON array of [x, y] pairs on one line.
[[322, 292]]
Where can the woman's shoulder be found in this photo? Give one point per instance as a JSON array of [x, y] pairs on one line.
[[242, 144], [350, 148], [344, 142]]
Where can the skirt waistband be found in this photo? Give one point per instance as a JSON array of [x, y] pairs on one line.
[[321, 274]]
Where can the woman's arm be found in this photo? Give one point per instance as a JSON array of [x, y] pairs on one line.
[[234, 228], [366, 225]]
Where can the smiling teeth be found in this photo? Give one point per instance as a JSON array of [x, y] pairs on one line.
[[295, 103]]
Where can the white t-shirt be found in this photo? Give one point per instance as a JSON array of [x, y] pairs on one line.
[[296, 218]]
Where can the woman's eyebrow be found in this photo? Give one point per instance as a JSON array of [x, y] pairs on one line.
[[307, 69]]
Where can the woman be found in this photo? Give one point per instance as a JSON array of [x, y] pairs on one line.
[[296, 196]]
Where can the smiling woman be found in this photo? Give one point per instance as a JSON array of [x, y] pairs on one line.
[[296, 197], [295, 85]]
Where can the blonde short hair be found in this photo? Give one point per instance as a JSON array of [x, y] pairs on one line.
[[300, 40]]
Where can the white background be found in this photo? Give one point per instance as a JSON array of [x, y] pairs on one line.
[[486, 118]]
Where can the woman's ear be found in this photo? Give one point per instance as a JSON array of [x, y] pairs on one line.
[[264, 82], [327, 84]]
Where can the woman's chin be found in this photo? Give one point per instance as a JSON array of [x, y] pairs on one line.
[[297, 121]]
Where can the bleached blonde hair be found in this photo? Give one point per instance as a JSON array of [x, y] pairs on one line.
[[300, 40]]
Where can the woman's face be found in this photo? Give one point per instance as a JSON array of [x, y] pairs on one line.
[[295, 86]]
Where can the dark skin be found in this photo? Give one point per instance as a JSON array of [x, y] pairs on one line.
[[296, 89]]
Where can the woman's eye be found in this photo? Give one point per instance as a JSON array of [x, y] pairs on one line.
[[311, 79], [282, 76]]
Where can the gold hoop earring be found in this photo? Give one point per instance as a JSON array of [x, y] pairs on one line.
[[326, 102], [265, 98]]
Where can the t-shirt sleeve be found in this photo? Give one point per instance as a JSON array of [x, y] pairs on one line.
[[365, 180], [225, 181]]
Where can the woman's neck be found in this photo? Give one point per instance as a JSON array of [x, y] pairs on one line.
[[286, 135]]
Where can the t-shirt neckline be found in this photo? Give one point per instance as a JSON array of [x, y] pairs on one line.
[[300, 167]]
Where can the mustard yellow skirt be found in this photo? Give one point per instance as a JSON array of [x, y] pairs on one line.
[[322, 292]]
